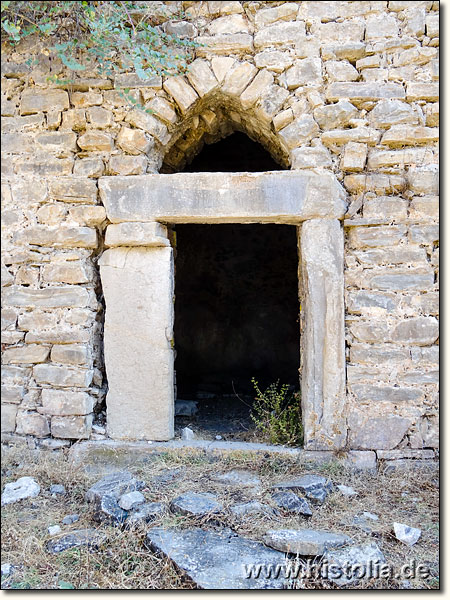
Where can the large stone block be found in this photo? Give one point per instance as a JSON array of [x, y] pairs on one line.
[[34, 101], [386, 393], [136, 234], [303, 72], [32, 423], [358, 302], [62, 376], [201, 77], [142, 120], [64, 403], [133, 141], [418, 331], [180, 90], [392, 112], [139, 337], [30, 353], [52, 297], [299, 132], [287, 197], [238, 78], [77, 428], [376, 432], [73, 189], [323, 345], [405, 279], [424, 180], [96, 141], [255, 90], [58, 237], [374, 355]]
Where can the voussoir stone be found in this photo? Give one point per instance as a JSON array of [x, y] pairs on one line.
[[306, 542], [195, 505]]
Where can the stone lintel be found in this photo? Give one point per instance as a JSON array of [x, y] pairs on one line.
[[136, 234], [138, 285], [323, 338], [288, 197]]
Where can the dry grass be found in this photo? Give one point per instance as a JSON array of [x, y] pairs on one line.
[[122, 562]]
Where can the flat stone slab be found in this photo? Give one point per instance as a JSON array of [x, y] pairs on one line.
[[145, 513], [254, 508], [354, 563], [306, 542], [290, 502], [315, 487], [195, 505], [24, 487], [269, 197], [238, 477], [216, 560], [81, 537]]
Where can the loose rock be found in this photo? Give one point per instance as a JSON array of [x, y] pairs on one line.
[[54, 529], [346, 490], [406, 534], [114, 485], [238, 477], [195, 505], [346, 560], [292, 503], [187, 434], [57, 488], [131, 500], [253, 508], [69, 519], [81, 537], [109, 511], [306, 542], [24, 487], [145, 513]]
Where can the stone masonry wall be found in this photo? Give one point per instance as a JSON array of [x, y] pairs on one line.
[[350, 87]]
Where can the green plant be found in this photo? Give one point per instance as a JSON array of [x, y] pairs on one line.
[[276, 413], [103, 37]]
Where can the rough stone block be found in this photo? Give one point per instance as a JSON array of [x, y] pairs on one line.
[[304, 72], [424, 207], [136, 234], [381, 26], [34, 101], [351, 30], [99, 117], [238, 78], [379, 183], [74, 119], [58, 237], [270, 103], [299, 132], [424, 234], [149, 123], [17, 143], [381, 159], [257, 87], [133, 141], [363, 135], [51, 214], [386, 393], [354, 157], [73, 189], [58, 335], [274, 60], [406, 279], [32, 423], [340, 70], [376, 432], [86, 99], [233, 43], [344, 51], [64, 403], [8, 418], [390, 207], [424, 180], [360, 237], [228, 24], [358, 92], [91, 216], [405, 135], [30, 353], [374, 355], [417, 331], [306, 157], [201, 77], [150, 197], [432, 25], [422, 91], [96, 141], [370, 332], [127, 165], [70, 354], [336, 115], [180, 90], [60, 376], [281, 34], [78, 428], [358, 302], [284, 12], [57, 141]]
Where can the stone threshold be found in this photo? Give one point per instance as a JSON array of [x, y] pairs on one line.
[[108, 455]]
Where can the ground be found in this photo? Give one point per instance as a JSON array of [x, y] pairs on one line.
[[122, 562]]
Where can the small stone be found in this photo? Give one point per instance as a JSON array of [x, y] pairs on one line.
[[292, 503], [253, 508], [371, 516], [346, 490], [69, 519], [347, 559], [7, 569], [238, 477], [406, 534], [24, 487], [218, 437], [187, 434], [131, 500], [57, 488], [54, 529], [91, 538], [306, 542], [195, 505], [146, 513], [109, 511]]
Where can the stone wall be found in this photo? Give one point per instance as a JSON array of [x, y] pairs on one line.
[[344, 87]]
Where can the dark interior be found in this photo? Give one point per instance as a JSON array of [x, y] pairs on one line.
[[236, 308], [237, 152]]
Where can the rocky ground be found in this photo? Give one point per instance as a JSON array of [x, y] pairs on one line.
[[188, 519]]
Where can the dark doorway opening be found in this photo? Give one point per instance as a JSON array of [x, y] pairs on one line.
[[237, 152], [236, 317]]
